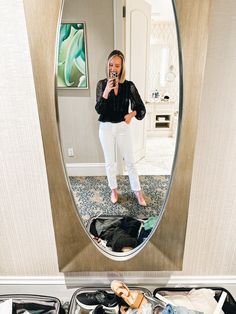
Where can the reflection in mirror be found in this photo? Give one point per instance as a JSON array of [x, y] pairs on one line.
[[119, 210]]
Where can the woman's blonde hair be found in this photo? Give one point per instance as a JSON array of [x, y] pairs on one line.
[[117, 53]]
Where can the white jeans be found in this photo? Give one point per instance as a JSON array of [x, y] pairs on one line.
[[120, 133]]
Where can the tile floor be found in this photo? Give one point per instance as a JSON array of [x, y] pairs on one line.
[[159, 156]]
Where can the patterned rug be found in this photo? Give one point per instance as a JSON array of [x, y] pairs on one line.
[[92, 196]]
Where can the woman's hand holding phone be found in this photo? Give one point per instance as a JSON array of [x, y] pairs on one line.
[[110, 85]]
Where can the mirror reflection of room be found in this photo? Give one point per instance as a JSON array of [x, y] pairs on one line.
[[120, 221]]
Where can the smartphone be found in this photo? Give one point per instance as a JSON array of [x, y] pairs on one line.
[[114, 76]]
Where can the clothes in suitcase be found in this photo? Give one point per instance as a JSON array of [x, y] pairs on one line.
[[100, 300], [33, 304], [208, 300]]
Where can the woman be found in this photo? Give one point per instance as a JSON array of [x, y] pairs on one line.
[[112, 104]]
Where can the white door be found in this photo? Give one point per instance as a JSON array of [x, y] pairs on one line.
[[138, 21]]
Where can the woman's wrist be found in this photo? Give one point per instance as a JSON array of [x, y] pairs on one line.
[[105, 95]]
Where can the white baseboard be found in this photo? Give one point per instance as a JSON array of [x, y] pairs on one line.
[[64, 287], [85, 169], [32, 280], [106, 279]]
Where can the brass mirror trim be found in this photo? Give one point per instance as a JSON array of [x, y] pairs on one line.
[[76, 252]]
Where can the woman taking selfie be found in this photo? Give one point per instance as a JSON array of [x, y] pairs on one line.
[[114, 96]]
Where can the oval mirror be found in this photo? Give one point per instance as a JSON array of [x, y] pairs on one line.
[[119, 131]]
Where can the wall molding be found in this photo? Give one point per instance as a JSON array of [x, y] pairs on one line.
[[85, 169], [89, 280]]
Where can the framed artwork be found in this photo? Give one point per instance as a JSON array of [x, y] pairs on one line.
[[72, 57]]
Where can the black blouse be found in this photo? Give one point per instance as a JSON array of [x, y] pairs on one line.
[[115, 107]]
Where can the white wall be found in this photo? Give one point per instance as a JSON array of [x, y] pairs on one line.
[[26, 230], [163, 36], [161, 9], [78, 118], [212, 217]]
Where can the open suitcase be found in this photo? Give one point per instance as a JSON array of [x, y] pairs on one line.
[[229, 305], [77, 308], [33, 304], [39, 304]]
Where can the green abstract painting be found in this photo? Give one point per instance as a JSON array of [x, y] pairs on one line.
[[72, 58]]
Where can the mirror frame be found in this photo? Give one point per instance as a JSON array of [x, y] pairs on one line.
[[75, 250]]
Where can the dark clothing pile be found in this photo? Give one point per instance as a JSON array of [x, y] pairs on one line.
[[119, 233]]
